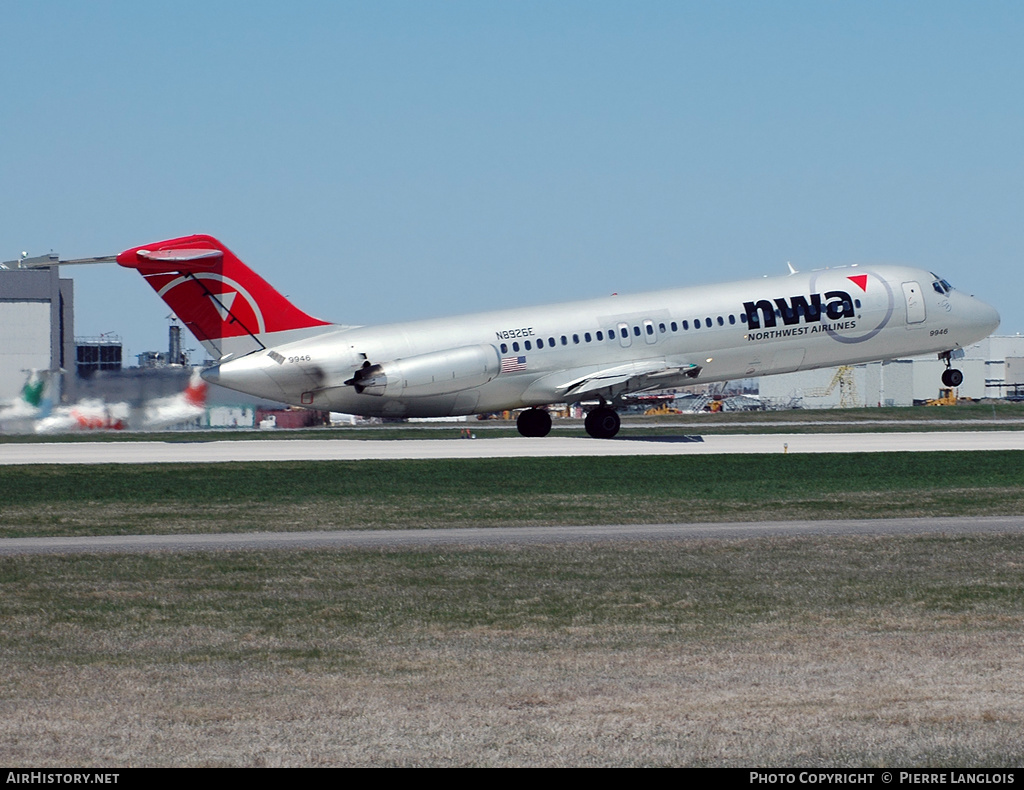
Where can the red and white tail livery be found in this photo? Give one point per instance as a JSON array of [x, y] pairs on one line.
[[228, 307]]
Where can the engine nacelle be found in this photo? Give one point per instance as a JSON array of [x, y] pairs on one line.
[[436, 373]]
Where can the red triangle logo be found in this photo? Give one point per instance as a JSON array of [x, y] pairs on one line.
[[860, 280]]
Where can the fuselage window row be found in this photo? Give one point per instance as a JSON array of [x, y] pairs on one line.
[[663, 329]]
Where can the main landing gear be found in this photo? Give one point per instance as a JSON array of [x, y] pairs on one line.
[[951, 377], [602, 422], [534, 422]]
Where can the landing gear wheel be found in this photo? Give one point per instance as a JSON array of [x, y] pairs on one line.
[[952, 377], [534, 422], [602, 423]]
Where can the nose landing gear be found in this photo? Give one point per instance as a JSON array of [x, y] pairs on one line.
[[951, 377]]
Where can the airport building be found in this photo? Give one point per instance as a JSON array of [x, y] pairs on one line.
[[993, 368], [36, 321]]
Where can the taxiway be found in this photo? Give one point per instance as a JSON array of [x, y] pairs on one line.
[[283, 449], [503, 536]]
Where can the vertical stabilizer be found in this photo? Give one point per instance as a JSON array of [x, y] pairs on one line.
[[225, 304]]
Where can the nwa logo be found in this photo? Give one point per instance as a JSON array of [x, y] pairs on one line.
[[835, 305]]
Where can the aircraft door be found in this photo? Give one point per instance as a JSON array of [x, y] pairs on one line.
[[915, 303], [650, 333], [624, 339]]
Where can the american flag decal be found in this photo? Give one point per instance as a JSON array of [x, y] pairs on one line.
[[512, 364]]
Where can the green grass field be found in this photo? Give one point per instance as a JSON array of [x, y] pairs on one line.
[[165, 498]]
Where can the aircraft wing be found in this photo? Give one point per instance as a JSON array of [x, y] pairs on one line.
[[578, 383]]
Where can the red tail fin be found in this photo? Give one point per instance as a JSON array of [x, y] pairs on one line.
[[213, 293]]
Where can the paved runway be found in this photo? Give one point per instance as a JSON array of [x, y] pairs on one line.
[[213, 451], [497, 536]]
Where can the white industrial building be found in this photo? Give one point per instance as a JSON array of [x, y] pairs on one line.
[[993, 368], [36, 323]]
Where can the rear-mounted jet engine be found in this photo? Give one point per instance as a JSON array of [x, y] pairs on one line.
[[437, 373]]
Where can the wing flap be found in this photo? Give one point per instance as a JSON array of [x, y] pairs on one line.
[[579, 383], [613, 377]]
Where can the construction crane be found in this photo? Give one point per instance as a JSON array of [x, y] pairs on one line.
[[843, 378]]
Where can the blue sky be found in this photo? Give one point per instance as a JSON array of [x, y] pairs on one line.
[[379, 161]]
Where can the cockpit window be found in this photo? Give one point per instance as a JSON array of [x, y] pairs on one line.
[[940, 285]]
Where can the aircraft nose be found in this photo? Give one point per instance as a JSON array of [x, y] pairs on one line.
[[988, 317], [994, 319]]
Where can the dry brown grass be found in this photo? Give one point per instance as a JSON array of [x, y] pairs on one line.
[[820, 698], [773, 652]]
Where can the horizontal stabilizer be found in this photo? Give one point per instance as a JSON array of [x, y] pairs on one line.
[[197, 259]]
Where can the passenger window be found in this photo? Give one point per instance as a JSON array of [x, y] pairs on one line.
[[565, 342], [551, 342], [625, 332], [540, 342], [600, 335], [675, 326], [515, 346], [696, 323], [528, 346], [707, 322], [721, 321], [636, 331], [649, 328], [732, 319], [661, 328], [586, 336], [686, 326], [504, 348], [576, 340]]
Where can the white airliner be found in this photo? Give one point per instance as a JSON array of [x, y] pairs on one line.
[[596, 350]]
